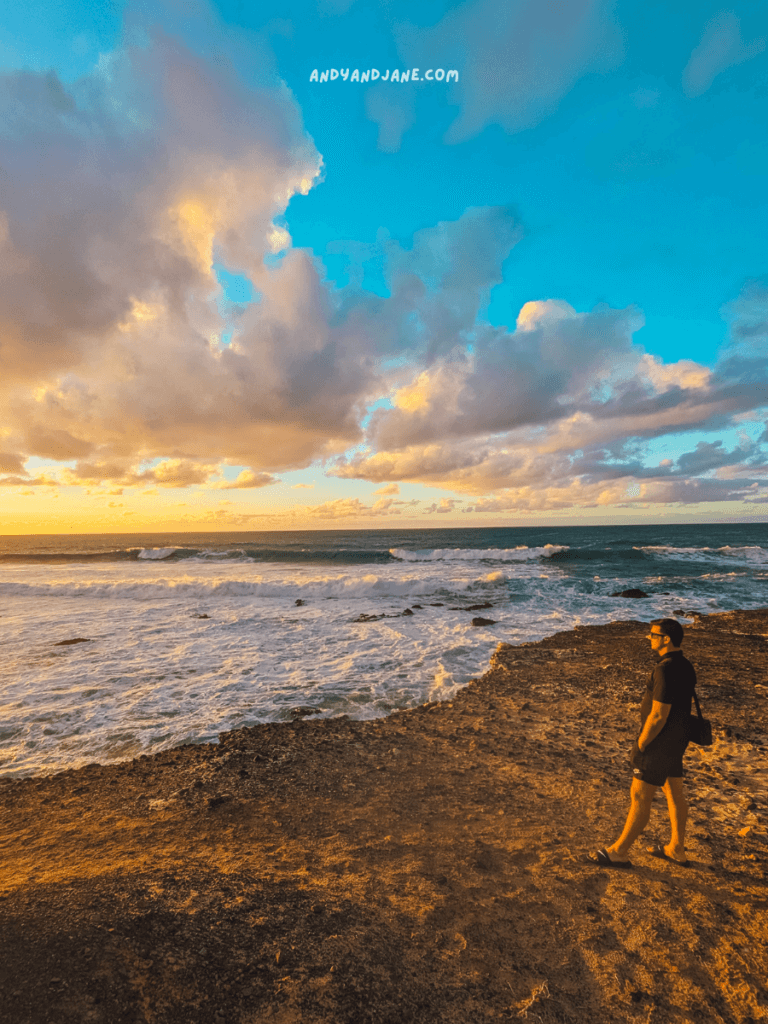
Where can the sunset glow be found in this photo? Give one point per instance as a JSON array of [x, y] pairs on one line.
[[235, 297]]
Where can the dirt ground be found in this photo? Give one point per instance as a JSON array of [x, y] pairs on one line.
[[426, 867]]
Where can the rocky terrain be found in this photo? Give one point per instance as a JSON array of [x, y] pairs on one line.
[[425, 867]]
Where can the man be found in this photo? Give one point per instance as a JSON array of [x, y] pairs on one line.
[[657, 754]]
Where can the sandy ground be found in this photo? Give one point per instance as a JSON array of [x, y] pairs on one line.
[[427, 867]]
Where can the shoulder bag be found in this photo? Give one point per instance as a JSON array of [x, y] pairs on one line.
[[699, 728]]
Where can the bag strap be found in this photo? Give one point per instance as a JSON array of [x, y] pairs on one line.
[[698, 709]]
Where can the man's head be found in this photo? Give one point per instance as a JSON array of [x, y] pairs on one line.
[[665, 634]]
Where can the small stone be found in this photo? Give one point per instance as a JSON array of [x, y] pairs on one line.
[[299, 603], [407, 612], [303, 711], [744, 832]]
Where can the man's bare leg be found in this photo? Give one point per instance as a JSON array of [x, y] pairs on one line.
[[677, 805], [641, 799]]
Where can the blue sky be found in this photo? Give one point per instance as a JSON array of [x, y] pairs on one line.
[[535, 292]]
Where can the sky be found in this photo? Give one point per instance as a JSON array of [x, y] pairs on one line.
[[377, 264]]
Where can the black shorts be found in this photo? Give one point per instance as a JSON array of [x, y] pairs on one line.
[[655, 767]]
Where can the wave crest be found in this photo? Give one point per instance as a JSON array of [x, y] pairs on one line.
[[518, 554]]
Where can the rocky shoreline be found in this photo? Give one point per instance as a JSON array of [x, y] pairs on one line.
[[426, 867]]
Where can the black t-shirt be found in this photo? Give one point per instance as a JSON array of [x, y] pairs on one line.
[[672, 682]]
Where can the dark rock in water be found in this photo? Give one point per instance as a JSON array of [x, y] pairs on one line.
[[75, 640], [407, 612], [303, 711], [418, 606], [632, 592], [687, 615], [202, 616], [437, 604], [471, 607], [299, 603], [362, 617], [480, 621]]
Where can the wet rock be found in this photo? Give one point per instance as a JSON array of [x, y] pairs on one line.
[[303, 711], [364, 617], [632, 592], [407, 612], [74, 640], [480, 621], [202, 616], [299, 603]]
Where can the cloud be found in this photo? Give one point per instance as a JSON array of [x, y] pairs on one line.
[[708, 456], [352, 508], [721, 47], [167, 473], [11, 463], [559, 411], [162, 162], [27, 481], [247, 479], [445, 505], [158, 164], [515, 61], [510, 380]]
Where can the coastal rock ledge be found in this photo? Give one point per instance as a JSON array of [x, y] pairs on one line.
[[424, 868]]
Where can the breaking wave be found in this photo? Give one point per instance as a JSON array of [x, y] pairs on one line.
[[519, 554]]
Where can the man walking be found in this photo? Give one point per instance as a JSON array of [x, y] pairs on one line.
[[657, 754]]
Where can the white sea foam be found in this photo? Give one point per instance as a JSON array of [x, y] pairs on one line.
[[156, 554], [179, 651], [191, 589], [519, 554], [749, 553]]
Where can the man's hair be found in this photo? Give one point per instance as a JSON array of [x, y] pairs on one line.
[[670, 628]]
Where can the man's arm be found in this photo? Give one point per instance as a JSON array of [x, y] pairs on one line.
[[654, 723]]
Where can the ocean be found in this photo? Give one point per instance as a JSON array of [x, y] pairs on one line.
[[189, 635]]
